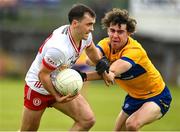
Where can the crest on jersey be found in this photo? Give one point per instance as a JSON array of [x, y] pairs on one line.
[[126, 106], [37, 101]]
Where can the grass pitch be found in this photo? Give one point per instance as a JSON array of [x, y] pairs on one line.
[[105, 101]]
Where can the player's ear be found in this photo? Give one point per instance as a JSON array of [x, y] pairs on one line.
[[108, 32], [74, 23], [129, 33]]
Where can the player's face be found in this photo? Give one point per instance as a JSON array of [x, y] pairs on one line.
[[118, 36], [85, 26]]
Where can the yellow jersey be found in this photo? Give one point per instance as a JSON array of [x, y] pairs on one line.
[[142, 80]]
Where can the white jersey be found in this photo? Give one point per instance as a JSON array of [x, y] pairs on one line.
[[58, 49]]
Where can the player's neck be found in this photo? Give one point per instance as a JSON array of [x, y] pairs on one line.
[[114, 51], [76, 37]]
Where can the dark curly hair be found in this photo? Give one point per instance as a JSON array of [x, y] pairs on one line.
[[119, 16]]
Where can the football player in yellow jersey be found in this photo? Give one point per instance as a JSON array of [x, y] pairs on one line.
[[148, 98]]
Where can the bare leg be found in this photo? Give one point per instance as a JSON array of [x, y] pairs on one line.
[[79, 110], [148, 113], [120, 121], [31, 119]]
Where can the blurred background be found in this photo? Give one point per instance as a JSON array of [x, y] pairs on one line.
[[25, 24]]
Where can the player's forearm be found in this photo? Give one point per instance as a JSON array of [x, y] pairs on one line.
[[93, 76], [89, 62], [93, 54], [94, 58], [47, 83]]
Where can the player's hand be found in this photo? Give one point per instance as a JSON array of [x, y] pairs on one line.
[[108, 78], [62, 67], [102, 66], [66, 98]]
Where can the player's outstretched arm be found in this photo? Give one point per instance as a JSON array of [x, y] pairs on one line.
[[102, 69], [95, 58], [89, 76], [93, 75], [93, 54], [120, 66]]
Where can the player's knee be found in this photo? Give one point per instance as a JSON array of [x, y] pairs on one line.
[[132, 125], [87, 123], [90, 122]]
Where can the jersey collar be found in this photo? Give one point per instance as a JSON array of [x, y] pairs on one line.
[[73, 42]]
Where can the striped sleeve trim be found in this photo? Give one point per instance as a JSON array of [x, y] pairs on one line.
[[100, 49], [129, 60], [47, 65]]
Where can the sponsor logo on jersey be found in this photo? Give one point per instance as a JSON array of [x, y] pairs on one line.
[[51, 62], [70, 58]]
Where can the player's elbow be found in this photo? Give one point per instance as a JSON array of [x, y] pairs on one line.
[[41, 76]]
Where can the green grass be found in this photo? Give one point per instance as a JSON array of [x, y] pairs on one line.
[[105, 101]]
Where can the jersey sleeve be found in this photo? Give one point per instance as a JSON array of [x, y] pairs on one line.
[[132, 55], [89, 40], [104, 47], [53, 58]]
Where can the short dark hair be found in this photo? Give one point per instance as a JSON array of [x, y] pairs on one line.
[[119, 16], [77, 12]]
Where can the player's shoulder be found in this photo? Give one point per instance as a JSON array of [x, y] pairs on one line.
[[104, 41], [59, 37], [133, 42], [59, 47], [61, 30], [134, 45], [104, 45]]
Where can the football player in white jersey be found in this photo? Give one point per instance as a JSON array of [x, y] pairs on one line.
[[62, 47]]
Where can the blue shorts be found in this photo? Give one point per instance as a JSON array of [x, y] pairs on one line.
[[163, 100]]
